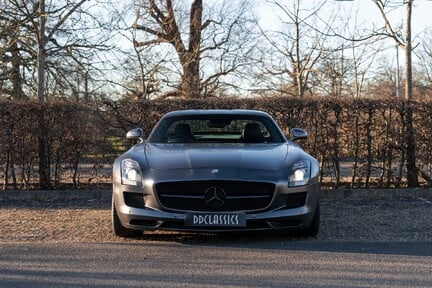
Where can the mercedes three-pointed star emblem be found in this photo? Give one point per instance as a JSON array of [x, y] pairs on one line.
[[215, 196]]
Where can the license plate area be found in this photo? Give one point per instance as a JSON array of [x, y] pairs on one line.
[[215, 219]]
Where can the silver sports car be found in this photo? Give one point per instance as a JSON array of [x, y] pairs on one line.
[[215, 171]]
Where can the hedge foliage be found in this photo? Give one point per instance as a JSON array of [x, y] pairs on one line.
[[359, 143]]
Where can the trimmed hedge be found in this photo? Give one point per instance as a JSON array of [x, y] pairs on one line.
[[359, 143]]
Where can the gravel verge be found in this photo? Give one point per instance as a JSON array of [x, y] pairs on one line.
[[345, 217]]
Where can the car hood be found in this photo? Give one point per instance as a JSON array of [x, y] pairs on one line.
[[196, 156]]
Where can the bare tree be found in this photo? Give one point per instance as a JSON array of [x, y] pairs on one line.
[[383, 83], [196, 40], [424, 54], [297, 46], [140, 71], [363, 57], [402, 38], [405, 42], [165, 29], [46, 34], [346, 68], [55, 38], [15, 56], [333, 71], [50, 42]]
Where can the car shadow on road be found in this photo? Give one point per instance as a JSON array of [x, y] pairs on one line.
[[364, 247], [274, 241]]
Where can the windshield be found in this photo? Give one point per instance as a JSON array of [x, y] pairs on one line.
[[216, 129]]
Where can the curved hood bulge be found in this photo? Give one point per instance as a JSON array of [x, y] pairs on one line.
[[196, 156]]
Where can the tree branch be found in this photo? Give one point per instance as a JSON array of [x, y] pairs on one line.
[[64, 18], [149, 42], [391, 32]]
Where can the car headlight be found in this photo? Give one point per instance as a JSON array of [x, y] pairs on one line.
[[131, 173], [300, 173]]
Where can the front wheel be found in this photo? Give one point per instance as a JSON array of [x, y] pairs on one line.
[[118, 228], [313, 229]]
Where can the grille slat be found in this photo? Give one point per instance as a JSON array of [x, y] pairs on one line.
[[181, 196], [240, 195], [247, 197]]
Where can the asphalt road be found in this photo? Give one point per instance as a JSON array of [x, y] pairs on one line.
[[205, 261]]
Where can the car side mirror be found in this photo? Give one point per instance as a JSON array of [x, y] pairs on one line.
[[135, 134], [298, 134]]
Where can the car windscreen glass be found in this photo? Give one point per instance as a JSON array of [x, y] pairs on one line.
[[216, 129]]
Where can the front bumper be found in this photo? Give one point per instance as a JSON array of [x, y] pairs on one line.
[[274, 217]]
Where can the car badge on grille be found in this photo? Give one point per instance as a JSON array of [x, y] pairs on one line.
[[215, 197], [215, 171]]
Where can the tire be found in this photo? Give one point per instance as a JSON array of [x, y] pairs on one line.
[[313, 229], [118, 228]]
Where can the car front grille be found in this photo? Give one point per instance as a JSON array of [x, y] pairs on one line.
[[215, 195]]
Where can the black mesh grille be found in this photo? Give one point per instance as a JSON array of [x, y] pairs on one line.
[[295, 200], [240, 195], [135, 200]]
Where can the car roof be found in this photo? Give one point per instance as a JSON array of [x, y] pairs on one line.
[[217, 112]]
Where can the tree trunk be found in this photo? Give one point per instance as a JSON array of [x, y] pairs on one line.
[[190, 60], [298, 65], [412, 175], [41, 53], [17, 92], [43, 152], [411, 167], [190, 83], [408, 61]]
